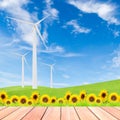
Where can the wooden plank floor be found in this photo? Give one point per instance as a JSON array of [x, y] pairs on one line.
[[59, 113]]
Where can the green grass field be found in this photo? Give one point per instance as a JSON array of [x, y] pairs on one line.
[[111, 86]]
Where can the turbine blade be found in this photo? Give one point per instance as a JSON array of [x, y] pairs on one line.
[[41, 37], [17, 54], [45, 64], [26, 54], [42, 20], [26, 62], [21, 21]]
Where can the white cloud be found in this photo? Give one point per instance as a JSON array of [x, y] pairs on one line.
[[53, 49], [9, 75], [53, 15], [61, 84], [67, 55], [86, 83], [66, 76], [76, 27], [116, 61], [13, 42], [49, 10], [116, 33], [104, 10], [15, 9]]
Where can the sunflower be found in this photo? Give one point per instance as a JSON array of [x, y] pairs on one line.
[[8, 102], [30, 102], [82, 95], [98, 100], [61, 101], [45, 99], [68, 95], [3, 96], [91, 98], [23, 100], [14, 99], [74, 99], [53, 99], [103, 95], [113, 97], [35, 96]]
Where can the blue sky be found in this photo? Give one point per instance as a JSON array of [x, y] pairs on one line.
[[83, 39]]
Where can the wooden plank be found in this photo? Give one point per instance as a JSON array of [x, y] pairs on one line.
[[117, 108], [85, 114], [101, 114], [68, 113], [7, 111], [18, 114], [52, 113], [113, 111], [35, 114], [3, 107]]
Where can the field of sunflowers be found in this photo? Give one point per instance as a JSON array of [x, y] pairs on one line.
[[69, 99]]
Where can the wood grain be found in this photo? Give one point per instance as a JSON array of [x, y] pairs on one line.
[[68, 113], [113, 111], [59, 113], [101, 114], [18, 114], [5, 112], [85, 114], [35, 114], [52, 113]]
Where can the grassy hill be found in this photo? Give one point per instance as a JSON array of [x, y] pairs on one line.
[[111, 86]]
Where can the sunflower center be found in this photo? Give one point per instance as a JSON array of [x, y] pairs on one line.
[[45, 100], [91, 99], [98, 101], [113, 98], [82, 96], [23, 101], [29, 102], [103, 95], [74, 100], [53, 100], [3, 96], [68, 97], [8, 102], [14, 100], [35, 97], [60, 101]]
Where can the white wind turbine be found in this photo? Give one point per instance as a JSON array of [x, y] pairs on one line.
[[51, 73], [34, 55], [23, 68]]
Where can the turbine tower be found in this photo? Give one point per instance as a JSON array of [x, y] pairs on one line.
[[34, 51], [22, 70], [51, 73]]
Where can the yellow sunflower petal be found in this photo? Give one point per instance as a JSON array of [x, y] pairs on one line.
[[14, 99], [74, 99], [103, 95], [67, 96], [35, 96], [45, 99], [3, 96], [53, 99], [113, 97], [23, 100], [91, 98]]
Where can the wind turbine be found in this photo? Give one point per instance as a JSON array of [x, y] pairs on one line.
[[34, 52], [23, 59], [51, 73]]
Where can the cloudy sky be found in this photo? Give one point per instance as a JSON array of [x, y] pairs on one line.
[[82, 36]]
